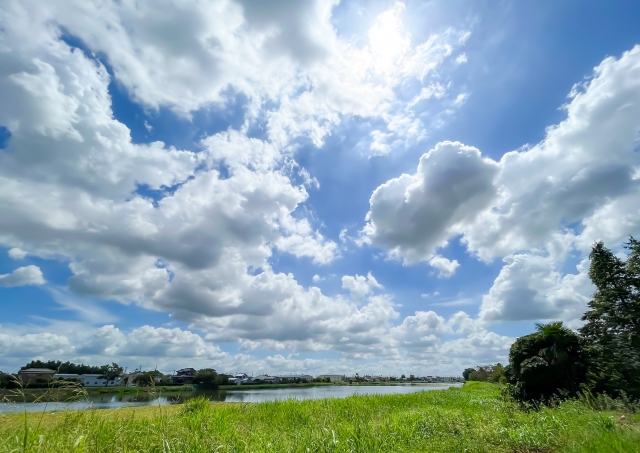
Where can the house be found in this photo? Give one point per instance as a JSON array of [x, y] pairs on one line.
[[242, 378], [267, 379], [88, 380], [184, 376], [332, 377], [31, 374], [128, 380], [295, 377]]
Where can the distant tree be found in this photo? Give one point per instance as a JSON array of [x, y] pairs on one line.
[[612, 328], [110, 372], [208, 378], [147, 378], [467, 372], [64, 367], [546, 363], [7, 381], [402, 377], [497, 374]]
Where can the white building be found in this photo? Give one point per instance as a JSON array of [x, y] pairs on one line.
[[332, 377], [293, 377], [88, 380], [266, 379]]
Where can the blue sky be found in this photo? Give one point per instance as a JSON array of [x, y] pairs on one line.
[[309, 186]]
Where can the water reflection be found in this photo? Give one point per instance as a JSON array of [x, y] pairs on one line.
[[244, 395]]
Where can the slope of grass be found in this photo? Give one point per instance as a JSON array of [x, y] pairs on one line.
[[472, 419]]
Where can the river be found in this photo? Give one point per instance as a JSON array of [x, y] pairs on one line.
[[244, 395]]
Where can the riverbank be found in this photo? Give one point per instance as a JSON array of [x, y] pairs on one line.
[[64, 394], [472, 419]]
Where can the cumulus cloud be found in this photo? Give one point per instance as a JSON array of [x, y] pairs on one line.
[[359, 286], [579, 185], [530, 288], [412, 215], [23, 276], [17, 253], [584, 165], [446, 268], [70, 178]]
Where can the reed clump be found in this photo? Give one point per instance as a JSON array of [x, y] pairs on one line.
[[475, 418]]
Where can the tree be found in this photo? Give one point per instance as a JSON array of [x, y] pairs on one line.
[[467, 372], [497, 374], [402, 377], [208, 378], [64, 367], [612, 328], [147, 379], [110, 372], [549, 362]]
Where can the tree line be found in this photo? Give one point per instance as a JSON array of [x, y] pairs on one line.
[[603, 356], [204, 378]]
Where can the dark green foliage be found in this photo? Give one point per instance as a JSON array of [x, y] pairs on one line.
[[144, 380], [467, 372], [487, 373], [64, 367], [110, 372], [548, 363], [208, 378], [612, 326]]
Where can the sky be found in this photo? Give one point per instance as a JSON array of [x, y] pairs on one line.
[[312, 186]]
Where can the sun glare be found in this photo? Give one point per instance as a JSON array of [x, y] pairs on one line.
[[387, 38]]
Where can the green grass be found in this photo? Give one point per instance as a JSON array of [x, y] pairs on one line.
[[473, 419]]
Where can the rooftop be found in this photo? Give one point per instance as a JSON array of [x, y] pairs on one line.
[[37, 371]]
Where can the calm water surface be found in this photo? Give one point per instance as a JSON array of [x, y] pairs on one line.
[[234, 396]]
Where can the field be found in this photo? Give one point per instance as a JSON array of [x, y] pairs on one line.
[[471, 419]]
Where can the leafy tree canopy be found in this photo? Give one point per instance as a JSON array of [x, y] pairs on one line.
[[546, 363], [210, 379], [64, 367], [612, 326], [110, 372], [487, 373]]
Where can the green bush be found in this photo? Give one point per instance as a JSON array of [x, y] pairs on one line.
[[549, 363]]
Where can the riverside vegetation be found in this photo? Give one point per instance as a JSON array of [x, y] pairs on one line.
[[476, 418]]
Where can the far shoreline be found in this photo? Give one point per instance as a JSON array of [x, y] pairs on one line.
[[61, 394]]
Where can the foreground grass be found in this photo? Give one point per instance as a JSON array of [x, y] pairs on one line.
[[473, 419]]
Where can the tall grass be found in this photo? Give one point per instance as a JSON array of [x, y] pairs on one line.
[[473, 419]]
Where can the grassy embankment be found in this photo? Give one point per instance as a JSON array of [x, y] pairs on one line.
[[472, 419]]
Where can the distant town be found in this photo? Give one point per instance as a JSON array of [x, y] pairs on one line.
[[113, 375]]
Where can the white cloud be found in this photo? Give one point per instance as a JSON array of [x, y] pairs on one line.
[[534, 206], [202, 253], [23, 276], [461, 99], [360, 286], [316, 278], [446, 268], [462, 58], [17, 253], [412, 215], [584, 164], [530, 288]]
